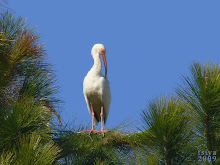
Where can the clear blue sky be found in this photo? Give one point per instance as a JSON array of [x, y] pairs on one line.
[[150, 44]]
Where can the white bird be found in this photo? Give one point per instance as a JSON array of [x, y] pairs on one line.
[[96, 88]]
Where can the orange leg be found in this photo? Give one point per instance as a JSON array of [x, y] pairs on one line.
[[101, 115], [92, 130]]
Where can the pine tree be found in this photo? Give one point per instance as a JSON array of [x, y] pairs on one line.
[[167, 132], [27, 92], [201, 91]]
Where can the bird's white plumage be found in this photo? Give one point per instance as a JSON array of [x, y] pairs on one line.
[[96, 87]]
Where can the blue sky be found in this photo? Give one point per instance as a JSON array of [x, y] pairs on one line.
[[150, 44]]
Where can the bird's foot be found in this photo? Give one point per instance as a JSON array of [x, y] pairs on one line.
[[103, 132], [90, 131], [96, 131]]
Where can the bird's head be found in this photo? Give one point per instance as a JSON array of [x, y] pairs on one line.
[[99, 49]]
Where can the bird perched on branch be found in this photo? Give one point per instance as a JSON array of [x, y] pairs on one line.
[[96, 88]]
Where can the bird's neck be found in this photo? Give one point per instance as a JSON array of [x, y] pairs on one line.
[[97, 66]]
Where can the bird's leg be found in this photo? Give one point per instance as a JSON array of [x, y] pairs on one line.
[[101, 115], [92, 130], [92, 120]]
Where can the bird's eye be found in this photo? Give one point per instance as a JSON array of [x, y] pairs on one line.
[[102, 51]]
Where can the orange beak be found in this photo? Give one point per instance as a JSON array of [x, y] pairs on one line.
[[105, 62]]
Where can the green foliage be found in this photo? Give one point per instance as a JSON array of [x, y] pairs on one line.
[[6, 158], [81, 148], [33, 151], [167, 129], [202, 92], [27, 96], [23, 118]]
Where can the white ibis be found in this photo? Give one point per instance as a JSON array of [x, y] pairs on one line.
[[96, 88]]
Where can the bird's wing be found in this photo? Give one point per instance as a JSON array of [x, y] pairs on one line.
[[87, 102], [106, 97], [85, 88], [96, 119]]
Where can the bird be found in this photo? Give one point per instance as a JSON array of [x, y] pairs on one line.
[[96, 89]]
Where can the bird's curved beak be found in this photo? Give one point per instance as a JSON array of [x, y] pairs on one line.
[[105, 62]]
